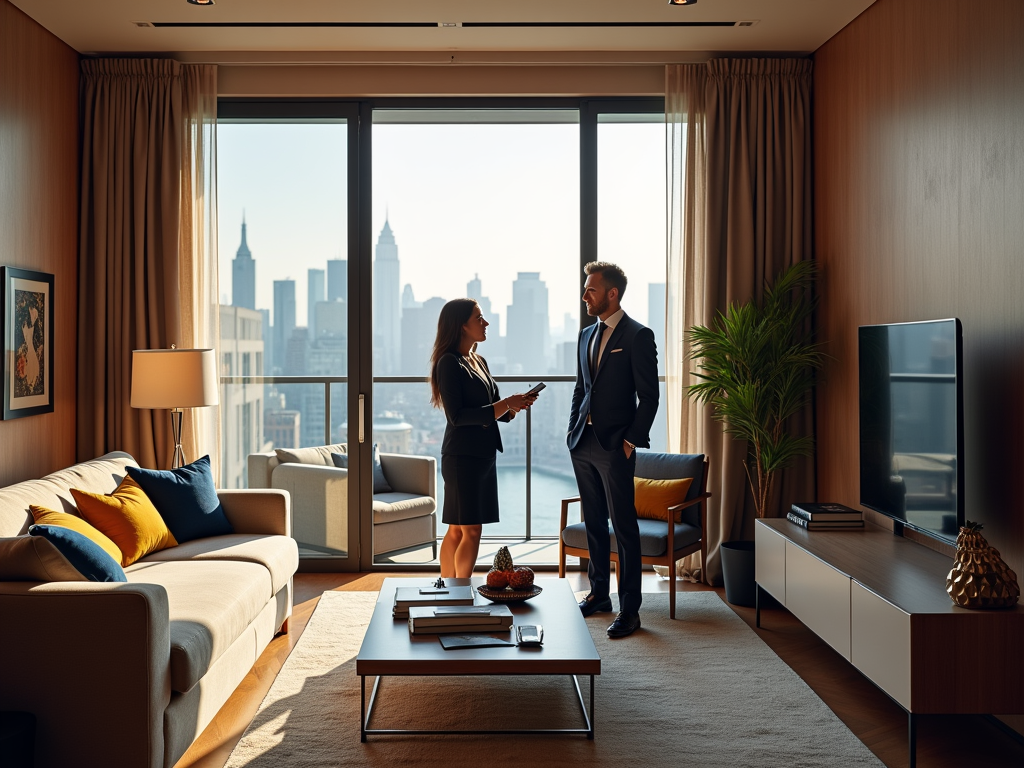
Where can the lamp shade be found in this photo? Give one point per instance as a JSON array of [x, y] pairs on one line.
[[174, 378]]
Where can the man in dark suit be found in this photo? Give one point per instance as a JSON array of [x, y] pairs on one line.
[[613, 407]]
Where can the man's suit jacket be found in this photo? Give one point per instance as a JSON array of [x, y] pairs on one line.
[[468, 401], [621, 398]]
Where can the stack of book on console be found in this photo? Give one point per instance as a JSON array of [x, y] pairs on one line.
[[408, 597], [425, 619], [825, 517]]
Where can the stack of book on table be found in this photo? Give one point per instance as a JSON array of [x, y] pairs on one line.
[[825, 517], [409, 597], [426, 619]]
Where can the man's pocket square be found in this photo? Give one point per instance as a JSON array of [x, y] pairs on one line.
[[616, 350]]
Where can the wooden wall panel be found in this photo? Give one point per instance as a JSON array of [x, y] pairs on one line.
[[39, 219], [919, 194]]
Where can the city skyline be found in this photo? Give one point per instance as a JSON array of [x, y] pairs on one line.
[[457, 207], [531, 345]]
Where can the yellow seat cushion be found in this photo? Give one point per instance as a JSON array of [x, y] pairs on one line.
[[654, 497], [44, 516], [128, 518]]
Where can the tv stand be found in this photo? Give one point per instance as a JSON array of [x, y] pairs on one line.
[[880, 601]]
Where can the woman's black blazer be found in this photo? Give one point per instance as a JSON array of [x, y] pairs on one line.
[[468, 401]]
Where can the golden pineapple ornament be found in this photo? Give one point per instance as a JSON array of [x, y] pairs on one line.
[[980, 578]]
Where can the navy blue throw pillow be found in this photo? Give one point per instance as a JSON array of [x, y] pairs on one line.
[[186, 499], [87, 557], [380, 483], [340, 460]]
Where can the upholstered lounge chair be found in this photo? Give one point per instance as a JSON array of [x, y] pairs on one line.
[[403, 518]]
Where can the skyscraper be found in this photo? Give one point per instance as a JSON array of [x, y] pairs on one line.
[[419, 326], [527, 333], [475, 291], [337, 279], [243, 276], [284, 320], [656, 319], [387, 313], [314, 294]]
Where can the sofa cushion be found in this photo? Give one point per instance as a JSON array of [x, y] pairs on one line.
[[44, 516], [32, 558], [128, 518], [210, 603], [653, 537], [317, 454], [278, 554], [389, 507], [186, 498], [54, 491]]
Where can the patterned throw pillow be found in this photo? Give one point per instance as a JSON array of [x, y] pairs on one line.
[[654, 497], [128, 518]]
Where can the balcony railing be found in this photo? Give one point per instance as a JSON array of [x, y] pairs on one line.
[[552, 412]]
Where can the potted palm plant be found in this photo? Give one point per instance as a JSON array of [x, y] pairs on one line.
[[756, 366]]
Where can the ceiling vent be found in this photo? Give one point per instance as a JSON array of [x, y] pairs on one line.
[[143, 23], [746, 23]]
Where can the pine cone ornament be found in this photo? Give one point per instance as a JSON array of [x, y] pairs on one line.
[[503, 560], [980, 577]]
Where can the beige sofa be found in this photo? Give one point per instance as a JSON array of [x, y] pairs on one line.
[[402, 519], [125, 675]]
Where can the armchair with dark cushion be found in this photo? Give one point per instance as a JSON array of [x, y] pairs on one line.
[[660, 543]]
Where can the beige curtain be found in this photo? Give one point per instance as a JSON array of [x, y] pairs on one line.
[[142, 231], [197, 260], [749, 217], [686, 186]]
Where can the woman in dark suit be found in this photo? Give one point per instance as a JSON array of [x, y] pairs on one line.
[[461, 384]]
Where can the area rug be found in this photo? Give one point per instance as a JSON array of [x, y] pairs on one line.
[[702, 690]]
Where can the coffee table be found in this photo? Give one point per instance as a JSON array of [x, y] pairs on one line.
[[389, 649]]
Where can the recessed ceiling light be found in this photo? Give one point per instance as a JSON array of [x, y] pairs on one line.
[[210, 2], [670, 2]]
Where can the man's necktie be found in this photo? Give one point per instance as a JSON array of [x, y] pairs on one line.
[[596, 349]]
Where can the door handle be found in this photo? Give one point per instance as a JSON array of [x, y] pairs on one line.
[[362, 419]]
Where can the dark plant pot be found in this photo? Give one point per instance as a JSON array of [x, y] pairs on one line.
[[738, 572]]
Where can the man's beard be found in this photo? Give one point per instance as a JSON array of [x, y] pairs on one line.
[[600, 307]]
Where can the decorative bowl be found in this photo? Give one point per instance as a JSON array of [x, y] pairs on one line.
[[507, 595]]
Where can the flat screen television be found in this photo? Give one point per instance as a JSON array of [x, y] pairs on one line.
[[912, 424]]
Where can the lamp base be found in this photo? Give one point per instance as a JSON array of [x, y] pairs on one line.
[[178, 460]]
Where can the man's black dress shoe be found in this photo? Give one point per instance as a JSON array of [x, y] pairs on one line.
[[624, 624], [592, 604]]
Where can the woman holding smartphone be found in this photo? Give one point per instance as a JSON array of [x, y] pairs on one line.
[[461, 384]]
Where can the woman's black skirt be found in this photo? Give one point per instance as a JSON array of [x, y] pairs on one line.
[[470, 490]]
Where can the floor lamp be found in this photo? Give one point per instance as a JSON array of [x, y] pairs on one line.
[[174, 379]]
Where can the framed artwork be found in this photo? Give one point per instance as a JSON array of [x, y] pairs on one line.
[[28, 342]]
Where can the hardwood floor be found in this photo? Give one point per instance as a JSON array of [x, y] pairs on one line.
[[943, 742]]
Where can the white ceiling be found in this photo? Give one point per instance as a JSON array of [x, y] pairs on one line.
[[110, 26]]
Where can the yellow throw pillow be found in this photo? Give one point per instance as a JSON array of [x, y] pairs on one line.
[[654, 497], [44, 516], [128, 518]]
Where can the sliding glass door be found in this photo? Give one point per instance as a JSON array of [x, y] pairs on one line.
[[285, 235], [345, 227]]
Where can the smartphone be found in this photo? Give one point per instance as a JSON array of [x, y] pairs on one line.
[[536, 389], [529, 634]]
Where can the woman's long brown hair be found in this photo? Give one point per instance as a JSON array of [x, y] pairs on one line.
[[454, 315]]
